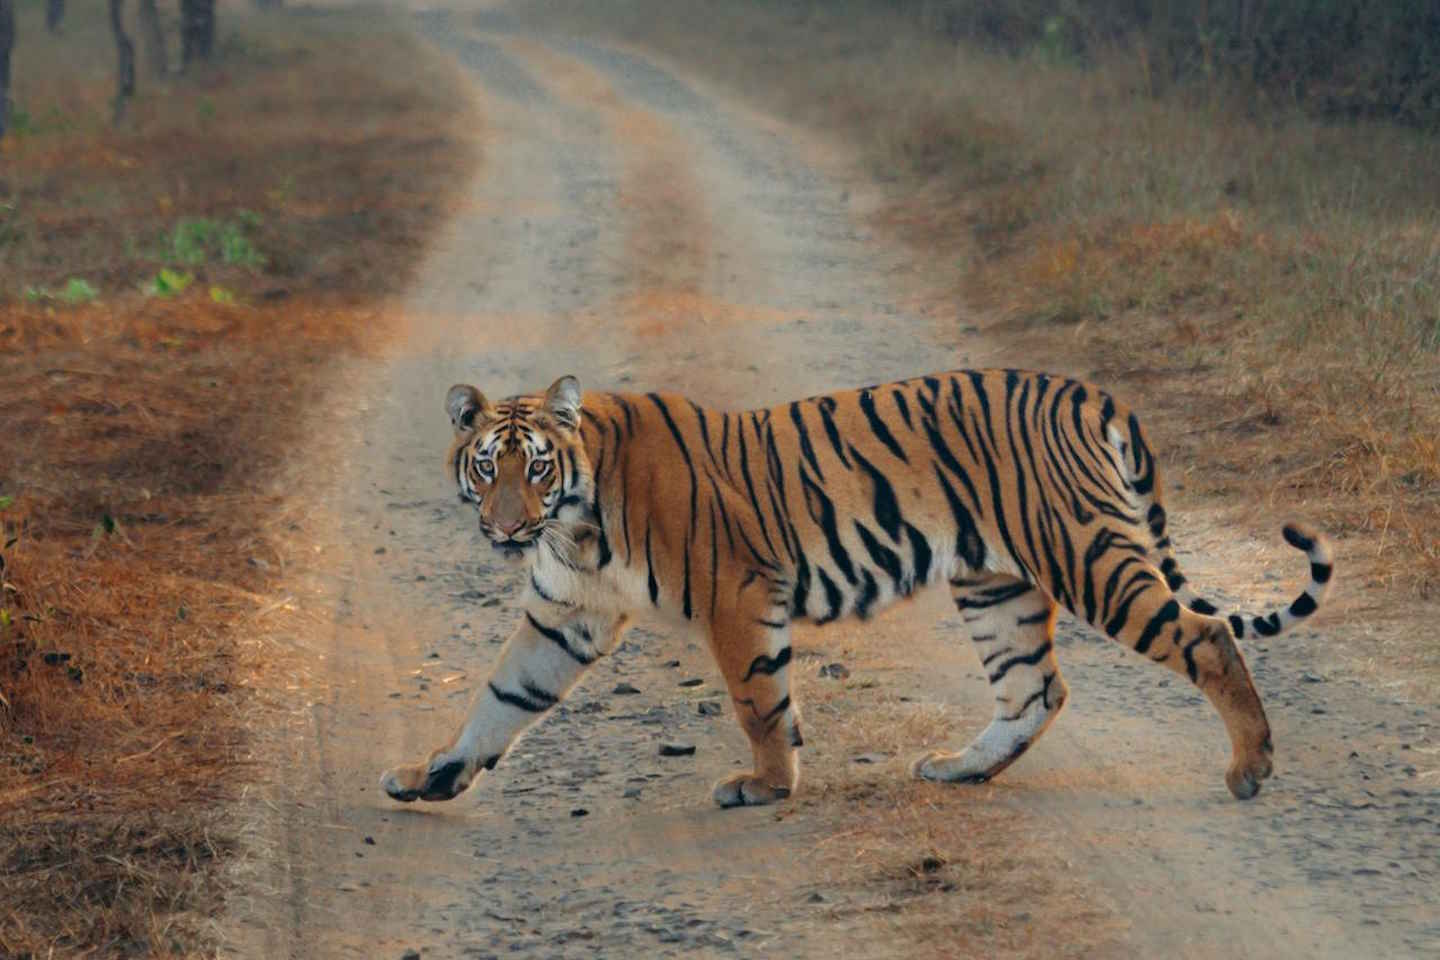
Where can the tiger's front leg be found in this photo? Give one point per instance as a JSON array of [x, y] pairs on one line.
[[753, 650], [538, 665]]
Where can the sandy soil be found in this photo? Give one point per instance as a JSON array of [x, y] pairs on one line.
[[636, 229]]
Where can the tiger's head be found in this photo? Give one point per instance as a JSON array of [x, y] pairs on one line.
[[519, 461]]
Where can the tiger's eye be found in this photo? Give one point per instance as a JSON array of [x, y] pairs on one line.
[[539, 469], [486, 468]]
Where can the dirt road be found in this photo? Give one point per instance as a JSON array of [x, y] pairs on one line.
[[631, 227]]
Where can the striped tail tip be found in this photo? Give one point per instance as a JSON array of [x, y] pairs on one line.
[[1317, 548]]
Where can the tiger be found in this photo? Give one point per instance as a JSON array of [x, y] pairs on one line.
[[1022, 492]]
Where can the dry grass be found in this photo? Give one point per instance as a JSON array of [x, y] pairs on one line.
[[143, 528], [1265, 288]]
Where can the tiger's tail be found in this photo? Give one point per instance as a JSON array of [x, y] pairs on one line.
[[1317, 548]]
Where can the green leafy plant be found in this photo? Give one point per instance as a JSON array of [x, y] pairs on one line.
[[77, 290], [200, 240], [222, 296], [167, 283]]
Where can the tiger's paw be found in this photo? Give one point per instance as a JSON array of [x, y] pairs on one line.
[[441, 778], [1244, 776], [939, 766], [977, 763], [745, 790]]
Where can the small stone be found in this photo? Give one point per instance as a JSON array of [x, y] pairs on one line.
[[492, 602], [370, 841], [625, 690], [410, 955], [631, 793], [676, 749], [816, 897], [672, 664], [1318, 709], [379, 550], [836, 671], [579, 812], [1309, 677], [870, 758], [708, 708], [692, 682]]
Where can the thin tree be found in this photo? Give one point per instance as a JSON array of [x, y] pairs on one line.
[[125, 62], [54, 13], [197, 30], [154, 38], [7, 43]]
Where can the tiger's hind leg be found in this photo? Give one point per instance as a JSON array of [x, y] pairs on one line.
[[1143, 613], [1012, 625]]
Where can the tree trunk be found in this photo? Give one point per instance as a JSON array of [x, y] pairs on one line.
[[197, 30], [54, 13], [7, 42], [154, 37], [125, 50]]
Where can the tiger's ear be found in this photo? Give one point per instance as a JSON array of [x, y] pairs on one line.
[[562, 401], [463, 402]]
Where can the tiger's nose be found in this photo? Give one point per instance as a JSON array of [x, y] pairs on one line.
[[510, 529]]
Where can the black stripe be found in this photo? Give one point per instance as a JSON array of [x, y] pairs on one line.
[[1030, 700], [541, 701], [1034, 618], [991, 596], [801, 594], [1029, 659], [806, 450], [968, 544], [920, 552], [1320, 572], [885, 558], [750, 490], [704, 433], [1121, 616], [869, 593], [768, 665], [1237, 626], [1169, 613], [558, 637], [778, 709], [1267, 626], [903, 407], [1303, 605], [878, 427], [822, 511], [694, 491], [833, 597], [1298, 540], [1203, 607], [714, 560], [773, 624], [1192, 670], [826, 406], [650, 570], [986, 661], [887, 508]]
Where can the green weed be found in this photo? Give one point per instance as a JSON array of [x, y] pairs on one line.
[[197, 241]]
